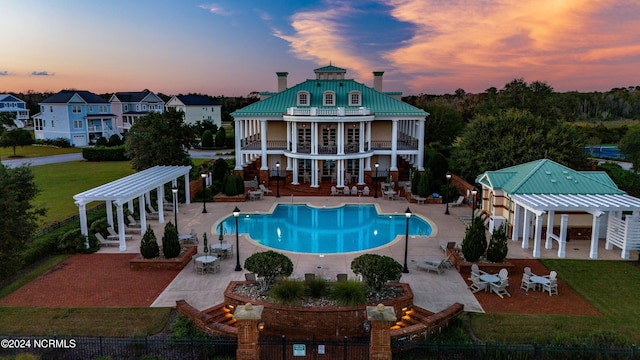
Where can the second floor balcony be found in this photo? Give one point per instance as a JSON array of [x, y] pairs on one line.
[[328, 111], [349, 148]]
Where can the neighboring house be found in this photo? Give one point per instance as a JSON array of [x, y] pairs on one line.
[[11, 104], [197, 108], [533, 198], [129, 106], [329, 130], [78, 115]]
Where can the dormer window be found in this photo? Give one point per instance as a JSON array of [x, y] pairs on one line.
[[303, 98], [355, 99], [329, 98]]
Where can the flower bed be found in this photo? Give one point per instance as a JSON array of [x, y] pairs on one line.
[[140, 263]]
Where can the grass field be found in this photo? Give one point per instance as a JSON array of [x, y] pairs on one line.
[[34, 151]]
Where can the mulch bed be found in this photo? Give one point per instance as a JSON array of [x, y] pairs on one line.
[[93, 280], [567, 302]]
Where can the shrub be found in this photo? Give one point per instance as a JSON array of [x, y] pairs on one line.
[[207, 139], [221, 135], [288, 292], [317, 288], [72, 242], [115, 140], [349, 293], [474, 243], [376, 269], [102, 153], [269, 265], [170, 241], [498, 246], [149, 245], [102, 141], [183, 329]]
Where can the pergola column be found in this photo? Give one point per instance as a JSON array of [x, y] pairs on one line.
[[187, 190], [109, 209], [564, 222], [526, 229], [595, 230], [84, 230], [143, 214], [516, 223], [121, 237], [548, 244], [160, 193], [537, 235]]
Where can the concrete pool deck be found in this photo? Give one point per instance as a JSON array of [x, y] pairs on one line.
[[431, 291]]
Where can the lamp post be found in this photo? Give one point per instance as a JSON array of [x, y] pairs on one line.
[[407, 214], [375, 182], [474, 191], [204, 192], [278, 179], [236, 213], [174, 190], [446, 192]]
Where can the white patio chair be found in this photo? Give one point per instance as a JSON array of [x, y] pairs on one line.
[[113, 235], [526, 282], [458, 202], [501, 288], [354, 190], [476, 283], [365, 191], [503, 274], [334, 191], [552, 286], [346, 190], [104, 242], [265, 190]]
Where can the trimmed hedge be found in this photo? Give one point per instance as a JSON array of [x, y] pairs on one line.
[[101, 153]]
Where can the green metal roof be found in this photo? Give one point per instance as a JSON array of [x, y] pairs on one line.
[[548, 177], [329, 68], [378, 103]]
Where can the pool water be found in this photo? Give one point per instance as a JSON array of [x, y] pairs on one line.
[[300, 228]]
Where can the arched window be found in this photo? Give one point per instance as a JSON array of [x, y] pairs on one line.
[[303, 98], [329, 98], [354, 98]]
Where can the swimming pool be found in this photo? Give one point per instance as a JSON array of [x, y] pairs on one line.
[[300, 228]]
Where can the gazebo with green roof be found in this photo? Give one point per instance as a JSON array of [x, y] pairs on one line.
[[586, 201]]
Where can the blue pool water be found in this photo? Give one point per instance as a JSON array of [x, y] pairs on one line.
[[300, 228]]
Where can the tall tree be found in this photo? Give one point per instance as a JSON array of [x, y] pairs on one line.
[[443, 125], [159, 139], [16, 137], [629, 145], [18, 216], [513, 137]]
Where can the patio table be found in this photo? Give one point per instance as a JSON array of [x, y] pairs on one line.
[[490, 278], [540, 280]]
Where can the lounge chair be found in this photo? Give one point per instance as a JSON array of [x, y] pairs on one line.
[[445, 262], [334, 191], [419, 199], [113, 235], [104, 242], [438, 268], [365, 191], [501, 288], [458, 202], [448, 245], [264, 189]]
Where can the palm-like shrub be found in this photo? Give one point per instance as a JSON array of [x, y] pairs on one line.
[[269, 265], [474, 243], [288, 292], [498, 247], [349, 293], [170, 242], [149, 245], [317, 287], [376, 269]]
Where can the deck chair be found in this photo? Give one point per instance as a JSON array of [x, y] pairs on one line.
[[199, 267], [104, 242], [448, 245], [346, 190], [476, 283], [264, 189], [354, 190], [113, 235], [526, 283], [334, 191], [152, 210], [503, 274], [446, 263], [438, 268], [501, 288], [365, 191], [396, 196], [458, 202], [552, 286]]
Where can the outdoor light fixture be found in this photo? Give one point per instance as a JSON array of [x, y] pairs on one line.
[[375, 182], [407, 214], [236, 213], [366, 326], [174, 190], [260, 325], [446, 192], [204, 193], [474, 192], [278, 179]]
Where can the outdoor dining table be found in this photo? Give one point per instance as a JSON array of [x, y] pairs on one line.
[[224, 248], [206, 259], [389, 194], [255, 195], [490, 278], [541, 280]]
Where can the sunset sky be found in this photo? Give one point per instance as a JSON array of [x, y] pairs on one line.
[[234, 47]]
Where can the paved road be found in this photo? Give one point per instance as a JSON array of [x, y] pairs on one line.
[[45, 160]]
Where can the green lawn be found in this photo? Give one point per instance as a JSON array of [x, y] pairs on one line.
[[59, 182], [34, 151], [613, 287]]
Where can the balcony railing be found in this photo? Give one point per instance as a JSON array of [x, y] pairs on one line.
[[325, 111], [351, 148]]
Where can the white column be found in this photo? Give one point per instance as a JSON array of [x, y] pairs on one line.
[[160, 205], [314, 138], [294, 166], [564, 221], [288, 137], [526, 229], [294, 137], [537, 234], [187, 190], [340, 173], [516, 222], [109, 209], [361, 138], [263, 144], [369, 134], [361, 172], [237, 141], [121, 238], [314, 173], [340, 138], [143, 214], [130, 206], [84, 230], [394, 145], [548, 244], [420, 135], [595, 230]]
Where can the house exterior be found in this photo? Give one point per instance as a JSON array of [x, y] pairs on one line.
[[545, 200], [129, 106], [78, 115], [329, 130], [196, 108], [11, 104]]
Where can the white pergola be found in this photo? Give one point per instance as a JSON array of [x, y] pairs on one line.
[[623, 232], [125, 190]]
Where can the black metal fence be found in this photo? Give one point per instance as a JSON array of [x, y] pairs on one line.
[[118, 348], [288, 349]]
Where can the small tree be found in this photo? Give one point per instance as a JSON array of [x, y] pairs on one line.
[[269, 265], [498, 247], [115, 140], [170, 242], [474, 243], [207, 139], [16, 137], [149, 245], [221, 136], [376, 269]]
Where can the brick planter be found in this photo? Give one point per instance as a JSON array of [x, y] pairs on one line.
[[323, 321], [222, 198], [139, 263], [464, 267]]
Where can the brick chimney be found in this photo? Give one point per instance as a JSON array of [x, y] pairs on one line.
[[377, 80], [282, 81]]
